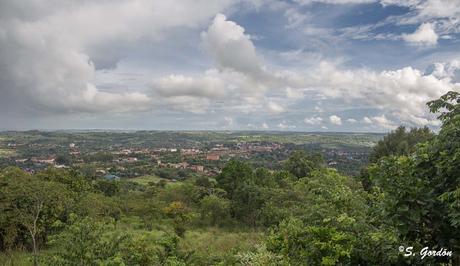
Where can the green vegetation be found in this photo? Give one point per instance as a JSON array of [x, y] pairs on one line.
[[303, 213], [147, 179], [324, 139], [400, 142], [6, 153]]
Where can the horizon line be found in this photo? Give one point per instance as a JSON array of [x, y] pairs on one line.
[[185, 130]]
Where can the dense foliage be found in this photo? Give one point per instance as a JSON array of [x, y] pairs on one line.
[[400, 142]]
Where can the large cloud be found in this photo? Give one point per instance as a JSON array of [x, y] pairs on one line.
[[402, 92], [49, 58], [233, 51], [240, 74], [49, 50], [230, 47]]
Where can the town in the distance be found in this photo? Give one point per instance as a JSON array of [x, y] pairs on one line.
[[152, 156]]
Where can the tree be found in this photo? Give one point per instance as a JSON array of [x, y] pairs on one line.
[[331, 223], [302, 244], [203, 181], [240, 182], [400, 142], [72, 179], [214, 209], [95, 242], [448, 107], [63, 159], [30, 203], [301, 164], [233, 175], [408, 200], [247, 202], [420, 191], [180, 215], [108, 187], [261, 257], [444, 155], [263, 178], [96, 205]]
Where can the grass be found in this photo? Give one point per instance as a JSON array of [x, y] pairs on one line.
[[217, 242], [207, 244], [15, 258], [146, 179]]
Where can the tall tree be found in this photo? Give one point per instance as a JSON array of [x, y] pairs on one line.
[[420, 191], [30, 203], [233, 175], [301, 164], [400, 142]]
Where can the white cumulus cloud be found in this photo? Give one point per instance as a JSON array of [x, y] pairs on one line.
[[51, 50], [313, 120], [336, 120], [367, 120], [230, 47], [403, 92], [424, 35]]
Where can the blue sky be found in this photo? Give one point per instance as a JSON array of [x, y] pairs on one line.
[[299, 65]]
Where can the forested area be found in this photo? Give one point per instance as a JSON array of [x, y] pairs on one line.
[[301, 214]]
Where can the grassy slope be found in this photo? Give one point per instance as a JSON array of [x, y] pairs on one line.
[[209, 244], [217, 242]]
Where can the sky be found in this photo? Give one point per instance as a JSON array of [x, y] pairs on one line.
[[297, 65]]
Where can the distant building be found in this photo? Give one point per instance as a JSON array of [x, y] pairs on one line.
[[101, 171], [189, 151], [197, 168], [212, 157], [183, 165], [41, 160], [126, 151], [131, 160]]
